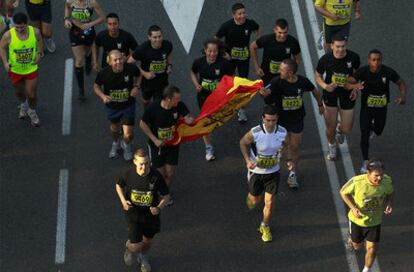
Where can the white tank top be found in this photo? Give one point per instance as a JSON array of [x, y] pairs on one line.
[[266, 149]]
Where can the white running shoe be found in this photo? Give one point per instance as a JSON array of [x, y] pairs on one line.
[[331, 152], [242, 116], [321, 41], [34, 119], [50, 45], [292, 182], [210, 153], [145, 265], [128, 255], [22, 111], [127, 151], [113, 153], [339, 137], [364, 166]]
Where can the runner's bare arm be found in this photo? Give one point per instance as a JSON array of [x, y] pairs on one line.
[[318, 99], [388, 203], [357, 7], [298, 58], [147, 131], [95, 53], [188, 119], [99, 11], [194, 80], [39, 43], [245, 143], [169, 63], [4, 44], [258, 33], [67, 21], [402, 99], [98, 91], [253, 54], [350, 203], [324, 12], [120, 192]]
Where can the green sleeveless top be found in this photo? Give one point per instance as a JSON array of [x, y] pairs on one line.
[[23, 53]]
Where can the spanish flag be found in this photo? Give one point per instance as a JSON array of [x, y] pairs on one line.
[[231, 94]]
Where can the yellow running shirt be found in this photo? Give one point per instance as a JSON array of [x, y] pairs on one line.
[[342, 8], [369, 199], [23, 53]]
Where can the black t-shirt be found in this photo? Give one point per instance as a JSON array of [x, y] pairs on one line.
[[275, 52], [143, 192], [338, 70], [376, 92], [237, 37], [288, 97], [118, 85], [154, 60], [209, 75], [124, 43], [161, 121]]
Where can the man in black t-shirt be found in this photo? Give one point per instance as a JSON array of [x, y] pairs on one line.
[[139, 190], [286, 93], [236, 34], [112, 38], [276, 47], [373, 80], [338, 66], [155, 56], [158, 123], [120, 81]]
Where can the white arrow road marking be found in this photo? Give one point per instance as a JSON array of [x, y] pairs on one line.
[[184, 16]]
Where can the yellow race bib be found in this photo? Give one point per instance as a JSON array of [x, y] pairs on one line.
[[36, 2], [339, 79], [266, 161], [377, 101], [292, 103], [165, 134], [158, 67], [119, 96], [343, 11], [274, 66], [209, 84], [24, 56], [141, 198], [239, 53]]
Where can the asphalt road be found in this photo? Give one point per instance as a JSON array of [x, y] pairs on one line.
[[209, 227]]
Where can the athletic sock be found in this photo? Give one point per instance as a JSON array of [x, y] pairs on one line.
[[88, 64], [366, 269], [80, 79]]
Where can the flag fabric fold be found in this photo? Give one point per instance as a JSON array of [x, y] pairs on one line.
[[231, 94]]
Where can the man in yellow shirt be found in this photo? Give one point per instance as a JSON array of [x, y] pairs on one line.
[[337, 17], [368, 196]]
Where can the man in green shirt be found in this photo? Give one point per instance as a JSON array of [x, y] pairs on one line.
[[368, 196]]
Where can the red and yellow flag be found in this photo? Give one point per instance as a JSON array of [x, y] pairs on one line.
[[231, 94]]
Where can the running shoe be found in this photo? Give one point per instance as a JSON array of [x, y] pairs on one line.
[[50, 45], [321, 41], [371, 135], [210, 153], [339, 137], [249, 203], [128, 256], [266, 234], [22, 111], [364, 166], [242, 116], [292, 181], [331, 152], [127, 151], [34, 119], [113, 153], [145, 265]]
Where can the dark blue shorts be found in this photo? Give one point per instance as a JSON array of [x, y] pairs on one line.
[[294, 127], [125, 116]]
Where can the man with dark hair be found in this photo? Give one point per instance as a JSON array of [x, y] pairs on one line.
[[139, 189], [118, 94], [112, 38], [24, 45], [338, 65], [158, 123], [261, 148], [276, 47], [236, 34], [155, 56], [286, 92], [373, 81]]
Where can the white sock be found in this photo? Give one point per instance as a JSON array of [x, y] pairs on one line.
[[366, 269], [292, 173]]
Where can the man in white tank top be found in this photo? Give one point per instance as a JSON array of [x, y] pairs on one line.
[[261, 148]]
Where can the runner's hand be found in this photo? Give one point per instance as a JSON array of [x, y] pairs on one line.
[[358, 86], [198, 88], [321, 109], [401, 100], [68, 23], [226, 56], [357, 15], [134, 91], [169, 68], [86, 26], [354, 95], [388, 209], [149, 75], [334, 17], [7, 67], [264, 92], [96, 67], [126, 205], [155, 210], [250, 164], [290, 164], [106, 99], [259, 72], [356, 212], [331, 87], [159, 143]]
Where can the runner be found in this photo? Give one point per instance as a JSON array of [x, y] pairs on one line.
[[121, 84], [112, 38], [261, 148], [139, 190], [276, 48], [236, 34], [286, 92], [78, 18], [368, 196], [206, 73], [374, 82], [337, 16], [338, 66], [6, 14], [155, 56], [23, 43], [40, 13], [158, 123]]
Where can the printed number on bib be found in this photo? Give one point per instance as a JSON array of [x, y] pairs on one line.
[[158, 67], [292, 103], [140, 198], [342, 11], [81, 15], [375, 101], [339, 79], [24, 56], [165, 133], [121, 96], [209, 85], [239, 53], [274, 66], [372, 204], [266, 161]]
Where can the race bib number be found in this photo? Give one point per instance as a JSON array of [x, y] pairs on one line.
[[24, 56], [140, 198], [239, 53], [339, 79], [119, 96], [266, 161], [158, 67], [209, 85], [343, 11], [165, 133], [376, 101], [81, 15], [274, 66], [37, 2], [372, 204], [292, 103]]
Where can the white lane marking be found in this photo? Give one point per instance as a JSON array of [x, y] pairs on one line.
[[61, 217], [346, 155], [67, 97], [184, 16], [331, 169]]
